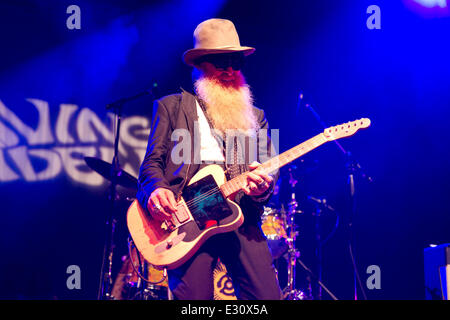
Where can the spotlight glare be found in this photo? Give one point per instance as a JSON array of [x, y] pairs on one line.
[[429, 8]]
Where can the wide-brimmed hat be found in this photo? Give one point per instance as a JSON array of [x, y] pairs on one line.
[[215, 36]]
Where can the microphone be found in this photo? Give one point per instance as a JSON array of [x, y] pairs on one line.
[[299, 101], [321, 202], [300, 96], [302, 102]]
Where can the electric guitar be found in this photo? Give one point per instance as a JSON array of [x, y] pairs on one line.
[[206, 206]]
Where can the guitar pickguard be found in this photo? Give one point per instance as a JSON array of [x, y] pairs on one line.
[[206, 202]]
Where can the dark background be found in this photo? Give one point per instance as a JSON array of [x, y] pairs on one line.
[[397, 76]]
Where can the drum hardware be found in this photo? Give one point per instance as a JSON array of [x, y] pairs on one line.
[[273, 224], [146, 288], [288, 222], [143, 265], [290, 292], [117, 176], [107, 171], [143, 284]]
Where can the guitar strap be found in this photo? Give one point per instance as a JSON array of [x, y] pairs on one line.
[[234, 169]]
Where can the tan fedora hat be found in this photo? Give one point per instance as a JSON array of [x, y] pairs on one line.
[[215, 36]]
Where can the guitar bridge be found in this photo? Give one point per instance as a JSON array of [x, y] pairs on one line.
[[182, 214], [168, 225], [180, 217]]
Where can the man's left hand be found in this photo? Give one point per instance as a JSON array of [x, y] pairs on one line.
[[257, 181]]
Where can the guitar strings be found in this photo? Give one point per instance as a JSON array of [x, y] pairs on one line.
[[204, 196], [197, 200]]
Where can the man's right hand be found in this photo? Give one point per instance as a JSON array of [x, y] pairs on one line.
[[162, 204]]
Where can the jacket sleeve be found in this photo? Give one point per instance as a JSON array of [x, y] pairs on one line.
[[266, 150], [152, 170]]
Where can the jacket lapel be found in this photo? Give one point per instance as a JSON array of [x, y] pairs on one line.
[[189, 109]]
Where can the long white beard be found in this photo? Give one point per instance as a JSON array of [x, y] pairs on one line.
[[227, 107]]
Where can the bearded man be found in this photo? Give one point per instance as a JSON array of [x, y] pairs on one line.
[[222, 103]]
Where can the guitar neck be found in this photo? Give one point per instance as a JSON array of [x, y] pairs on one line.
[[292, 154], [236, 184]]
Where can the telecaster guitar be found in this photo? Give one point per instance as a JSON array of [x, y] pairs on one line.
[[207, 207]]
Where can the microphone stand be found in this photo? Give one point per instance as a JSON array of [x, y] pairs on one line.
[[317, 227], [106, 282], [321, 208], [117, 105], [352, 167]]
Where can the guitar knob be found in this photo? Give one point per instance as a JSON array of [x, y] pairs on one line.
[[169, 243]]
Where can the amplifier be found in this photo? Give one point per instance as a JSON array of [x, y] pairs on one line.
[[437, 272]]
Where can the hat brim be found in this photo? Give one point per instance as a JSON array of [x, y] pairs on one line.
[[191, 55]]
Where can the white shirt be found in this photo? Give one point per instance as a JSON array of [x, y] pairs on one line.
[[209, 146]]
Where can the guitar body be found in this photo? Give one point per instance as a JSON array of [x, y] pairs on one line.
[[206, 207], [201, 212]]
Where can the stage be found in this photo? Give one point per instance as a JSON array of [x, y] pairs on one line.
[[356, 215]]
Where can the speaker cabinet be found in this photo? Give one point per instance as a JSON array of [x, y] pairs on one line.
[[437, 272]]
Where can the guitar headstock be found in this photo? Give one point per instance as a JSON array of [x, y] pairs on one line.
[[345, 129]]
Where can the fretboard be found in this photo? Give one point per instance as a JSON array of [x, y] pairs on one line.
[[237, 183]]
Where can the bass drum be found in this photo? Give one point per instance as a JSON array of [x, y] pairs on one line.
[[273, 225], [127, 285]]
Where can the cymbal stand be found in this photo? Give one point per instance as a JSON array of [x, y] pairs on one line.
[[289, 292], [106, 281]]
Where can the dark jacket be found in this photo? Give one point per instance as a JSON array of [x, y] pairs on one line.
[[158, 170]]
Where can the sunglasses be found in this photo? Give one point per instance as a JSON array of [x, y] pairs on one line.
[[224, 60]]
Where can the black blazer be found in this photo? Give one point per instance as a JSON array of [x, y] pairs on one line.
[[178, 111]]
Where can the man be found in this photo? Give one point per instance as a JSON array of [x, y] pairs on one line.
[[222, 103]]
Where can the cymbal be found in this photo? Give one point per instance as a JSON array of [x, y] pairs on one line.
[[105, 169]]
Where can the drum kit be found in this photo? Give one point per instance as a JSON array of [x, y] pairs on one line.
[[139, 280]]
